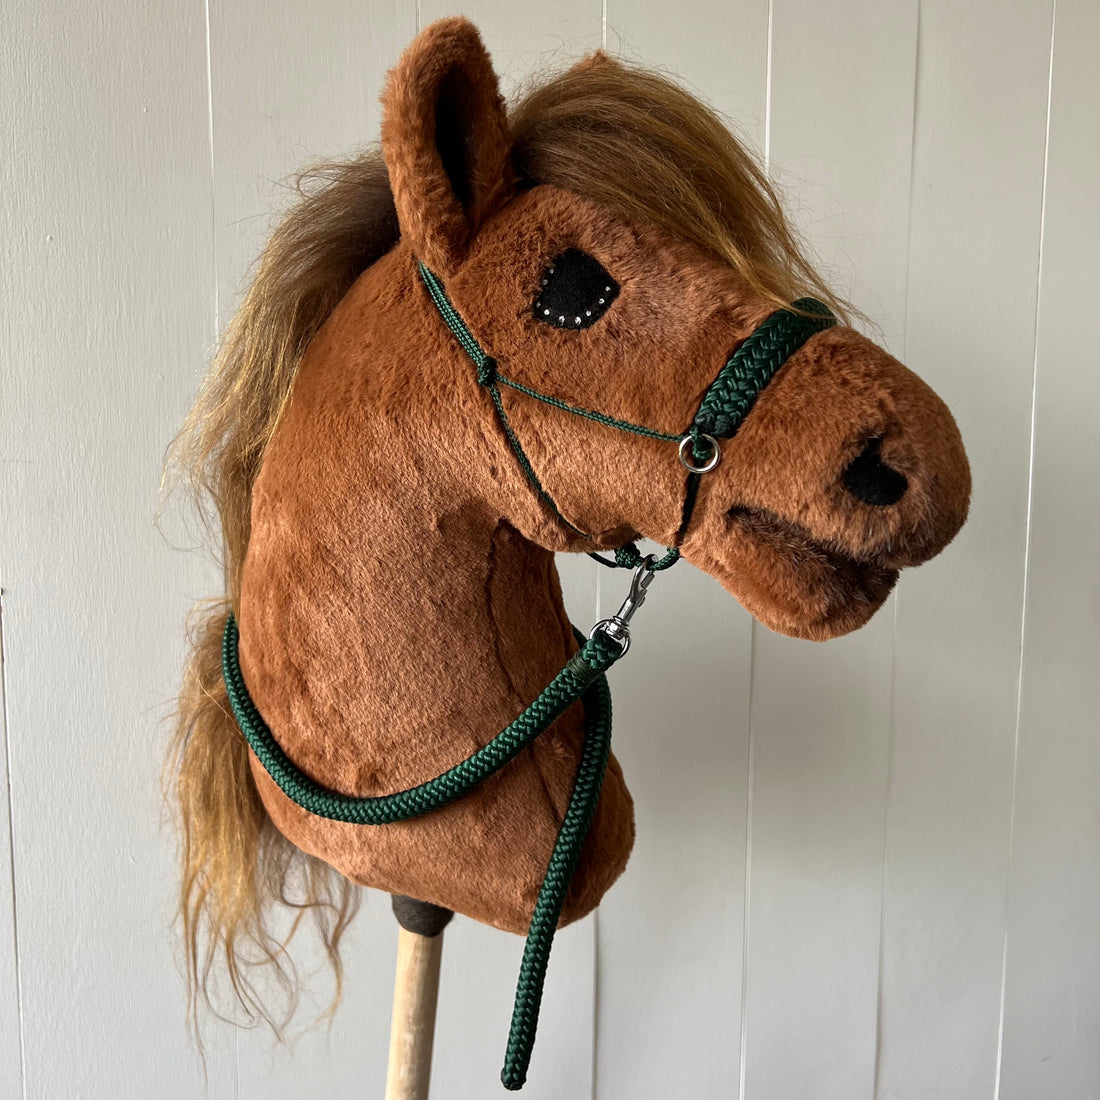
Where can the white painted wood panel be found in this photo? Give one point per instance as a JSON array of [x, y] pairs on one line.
[[974, 250], [839, 143], [670, 931], [1051, 1037], [11, 1054], [290, 84], [107, 295]]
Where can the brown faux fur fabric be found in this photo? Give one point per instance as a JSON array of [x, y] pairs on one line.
[[393, 620], [399, 602]]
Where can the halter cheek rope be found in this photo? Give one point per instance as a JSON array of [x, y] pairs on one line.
[[724, 406]]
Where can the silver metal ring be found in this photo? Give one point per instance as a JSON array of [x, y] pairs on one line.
[[616, 630], [706, 467]]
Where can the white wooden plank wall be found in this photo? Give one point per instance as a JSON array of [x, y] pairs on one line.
[[106, 311], [1051, 1012], [877, 875], [975, 230], [821, 714]]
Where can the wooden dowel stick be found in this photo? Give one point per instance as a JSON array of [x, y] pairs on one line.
[[415, 991]]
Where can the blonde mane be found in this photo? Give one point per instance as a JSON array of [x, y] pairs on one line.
[[632, 140], [622, 136]]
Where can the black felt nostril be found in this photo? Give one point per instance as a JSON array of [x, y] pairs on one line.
[[869, 479]]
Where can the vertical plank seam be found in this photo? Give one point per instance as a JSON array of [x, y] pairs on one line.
[[885, 836], [1027, 561], [4, 727], [892, 744], [750, 776], [750, 761]]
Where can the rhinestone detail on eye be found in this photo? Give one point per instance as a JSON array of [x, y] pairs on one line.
[[575, 291]]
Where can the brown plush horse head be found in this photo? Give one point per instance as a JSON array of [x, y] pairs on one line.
[[393, 440]]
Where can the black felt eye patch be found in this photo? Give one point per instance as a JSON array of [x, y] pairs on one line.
[[576, 291]]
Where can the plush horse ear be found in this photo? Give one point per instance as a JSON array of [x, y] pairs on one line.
[[445, 141]]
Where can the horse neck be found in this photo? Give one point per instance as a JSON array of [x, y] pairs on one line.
[[381, 572]]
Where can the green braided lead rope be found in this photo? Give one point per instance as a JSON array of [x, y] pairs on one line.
[[590, 662], [559, 873], [581, 678]]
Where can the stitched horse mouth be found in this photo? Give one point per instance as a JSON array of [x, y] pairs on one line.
[[802, 586]]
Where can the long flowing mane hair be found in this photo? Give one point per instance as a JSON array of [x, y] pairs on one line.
[[623, 136]]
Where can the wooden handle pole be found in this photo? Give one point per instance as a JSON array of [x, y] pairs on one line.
[[415, 992]]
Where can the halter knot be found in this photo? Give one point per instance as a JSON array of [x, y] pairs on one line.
[[487, 371], [628, 556]]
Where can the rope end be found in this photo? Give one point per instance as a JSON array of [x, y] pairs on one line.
[[510, 1082]]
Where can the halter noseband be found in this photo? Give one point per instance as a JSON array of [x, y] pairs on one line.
[[724, 406]]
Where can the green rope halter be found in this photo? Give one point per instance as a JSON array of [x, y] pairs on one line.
[[724, 406]]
